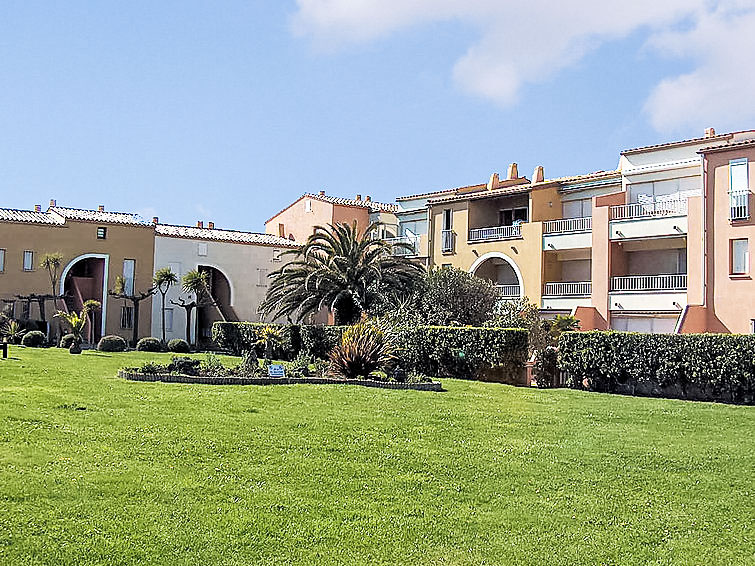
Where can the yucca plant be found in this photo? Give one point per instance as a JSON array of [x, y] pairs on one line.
[[13, 332], [364, 349], [77, 321], [270, 337]]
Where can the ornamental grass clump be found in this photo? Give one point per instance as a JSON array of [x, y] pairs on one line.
[[365, 348]]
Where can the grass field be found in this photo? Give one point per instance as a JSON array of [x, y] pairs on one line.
[[97, 470]]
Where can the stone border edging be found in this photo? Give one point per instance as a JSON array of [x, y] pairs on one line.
[[172, 378]]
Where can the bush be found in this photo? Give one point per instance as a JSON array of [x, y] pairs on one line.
[[546, 368], [713, 367], [153, 368], [33, 339], [317, 341], [112, 343], [364, 349], [149, 344], [66, 341], [249, 365], [179, 346], [464, 352], [184, 365], [238, 337], [299, 366], [212, 366]]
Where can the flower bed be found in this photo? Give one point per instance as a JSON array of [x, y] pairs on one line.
[[133, 375]]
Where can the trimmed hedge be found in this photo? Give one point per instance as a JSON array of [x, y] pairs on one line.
[[703, 367], [489, 354], [239, 337], [33, 339], [179, 346], [112, 343], [149, 344], [317, 341]]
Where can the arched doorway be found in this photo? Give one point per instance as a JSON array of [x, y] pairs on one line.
[[220, 308], [502, 271], [84, 279]]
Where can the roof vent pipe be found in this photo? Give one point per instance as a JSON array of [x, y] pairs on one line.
[[211, 225], [359, 197], [710, 132], [155, 220], [101, 208], [368, 198], [53, 203], [200, 224], [37, 208], [539, 175], [322, 193], [513, 171]]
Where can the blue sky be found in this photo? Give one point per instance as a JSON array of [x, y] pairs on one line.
[[228, 111]]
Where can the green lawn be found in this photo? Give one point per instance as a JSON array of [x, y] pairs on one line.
[[97, 470]]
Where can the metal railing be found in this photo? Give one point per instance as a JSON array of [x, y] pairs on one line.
[[448, 239], [509, 291], [650, 283], [739, 205], [495, 233], [676, 207], [404, 245], [568, 289], [568, 225]]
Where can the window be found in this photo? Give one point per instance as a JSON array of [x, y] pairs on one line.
[[448, 219], [752, 326], [127, 317], [2, 260], [276, 255], [262, 277], [577, 208], [202, 249], [511, 216], [740, 257], [282, 230], [739, 190], [445, 266], [307, 205], [28, 261], [101, 233], [168, 320], [129, 268]]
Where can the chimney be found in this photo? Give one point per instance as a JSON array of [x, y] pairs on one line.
[[494, 181], [53, 203], [368, 198], [200, 224], [513, 171], [539, 175], [211, 225], [322, 193], [37, 208], [710, 132], [359, 197], [155, 220], [101, 208]]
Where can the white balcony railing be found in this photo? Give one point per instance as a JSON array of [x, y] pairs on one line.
[[495, 233], [739, 205], [509, 291], [649, 283], [676, 207], [448, 238], [404, 245], [568, 289], [568, 225]]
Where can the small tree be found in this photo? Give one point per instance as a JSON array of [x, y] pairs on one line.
[[195, 283], [135, 299], [77, 321], [270, 337], [163, 280]]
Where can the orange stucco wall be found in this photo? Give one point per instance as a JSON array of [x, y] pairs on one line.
[[349, 214], [299, 223], [601, 250]]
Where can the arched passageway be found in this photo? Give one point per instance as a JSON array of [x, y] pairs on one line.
[[221, 306], [502, 271], [84, 279]]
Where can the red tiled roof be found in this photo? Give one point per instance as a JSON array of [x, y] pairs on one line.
[[219, 235], [97, 216], [727, 146], [719, 137], [28, 216], [372, 205]]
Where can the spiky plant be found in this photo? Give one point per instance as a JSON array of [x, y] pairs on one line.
[[12, 332], [270, 337], [339, 268], [77, 321], [364, 349]]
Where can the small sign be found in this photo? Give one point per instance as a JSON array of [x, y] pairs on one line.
[[276, 370]]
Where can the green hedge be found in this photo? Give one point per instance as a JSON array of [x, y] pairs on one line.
[[496, 354], [710, 367], [239, 337], [317, 341]]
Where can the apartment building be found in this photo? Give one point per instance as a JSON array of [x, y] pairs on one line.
[[298, 220], [96, 247], [237, 265]]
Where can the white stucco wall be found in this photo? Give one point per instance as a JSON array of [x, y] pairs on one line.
[[244, 265]]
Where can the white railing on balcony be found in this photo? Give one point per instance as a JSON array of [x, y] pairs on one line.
[[495, 233], [676, 207], [739, 205], [404, 245], [568, 289], [447, 240], [508, 291], [649, 283], [568, 225]]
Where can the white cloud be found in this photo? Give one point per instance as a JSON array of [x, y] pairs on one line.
[[529, 42]]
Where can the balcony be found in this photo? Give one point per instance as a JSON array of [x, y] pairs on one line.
[[637, 283], [568, 289], [448, 241], [404, 245], [647, 220], [739, 205], [495, 233], [567, 233], [509, 291], [676, 207], [568, 225]]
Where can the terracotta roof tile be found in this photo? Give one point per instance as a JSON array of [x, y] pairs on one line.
[[219, 235], [372, 205], [97, 216], [28, 216]]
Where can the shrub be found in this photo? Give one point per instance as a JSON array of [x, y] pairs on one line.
[[238, 337], [149, 344], [249, 364], [317, 341], [212, 365], [364, 349], [184, 365], [66, 341], [33, 339], [153, 368], [714, 367], [464, 352], [299, 366], [546, 367], [12, 331], [179, 346], [112, 343]]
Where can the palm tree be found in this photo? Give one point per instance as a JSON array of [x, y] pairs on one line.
[[163, 280], [77, 321], [342, 270], [196, 283]]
